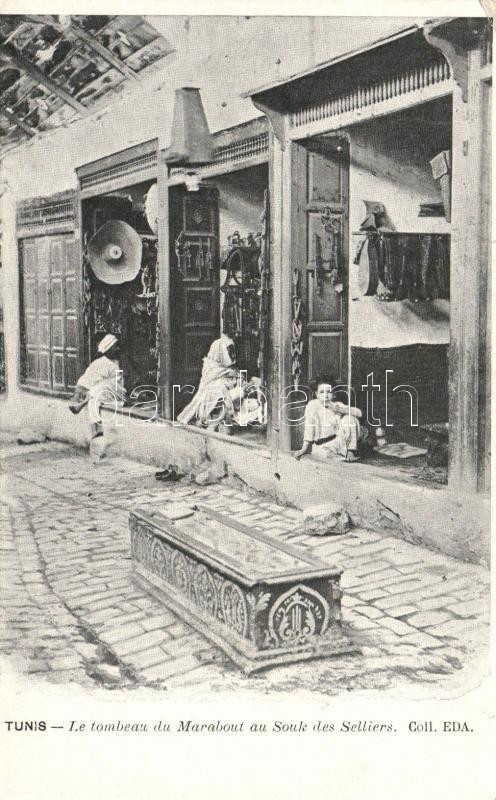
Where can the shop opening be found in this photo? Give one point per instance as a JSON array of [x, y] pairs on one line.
[[372, 217], [220, 291], [399, 286]]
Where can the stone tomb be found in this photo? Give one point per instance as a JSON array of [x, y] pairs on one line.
[[262, 601]]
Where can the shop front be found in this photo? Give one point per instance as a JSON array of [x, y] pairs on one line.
[[377, 270], [332, 238]]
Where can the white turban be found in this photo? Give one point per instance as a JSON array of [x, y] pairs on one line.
[[107, 342]]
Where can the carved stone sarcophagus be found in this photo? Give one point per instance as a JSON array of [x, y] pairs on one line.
[[262, 601]]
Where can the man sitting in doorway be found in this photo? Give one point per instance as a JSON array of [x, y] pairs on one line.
[[223, 397], [332, 428]]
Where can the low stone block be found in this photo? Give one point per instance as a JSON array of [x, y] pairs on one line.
[[31, 436], [325, 519]]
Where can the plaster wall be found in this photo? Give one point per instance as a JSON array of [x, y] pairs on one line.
[[390, 164], [241, 196]]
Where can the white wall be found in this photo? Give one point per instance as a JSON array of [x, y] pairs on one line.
[[390, 164], [241, 196]]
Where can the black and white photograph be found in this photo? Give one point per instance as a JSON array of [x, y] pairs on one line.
[[245, 386]]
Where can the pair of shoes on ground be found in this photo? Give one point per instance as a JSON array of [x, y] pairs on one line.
[[169, 475]]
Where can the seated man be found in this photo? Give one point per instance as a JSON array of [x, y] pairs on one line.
[[223, 397], [100, 383], [331, 428]]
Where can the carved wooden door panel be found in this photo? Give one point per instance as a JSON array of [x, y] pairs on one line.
[[194, 226], [50, 296], [320, 254], [63, 312]]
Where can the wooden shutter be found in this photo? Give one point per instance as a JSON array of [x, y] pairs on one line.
[[49, 277]]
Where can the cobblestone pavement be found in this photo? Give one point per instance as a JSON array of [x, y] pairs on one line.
[[71, 612]]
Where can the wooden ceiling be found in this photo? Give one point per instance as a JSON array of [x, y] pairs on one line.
[[56, 68]]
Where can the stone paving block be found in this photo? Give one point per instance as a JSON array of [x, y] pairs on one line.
[[86, 650], [368, 549], [470, 608], [242, 507], [37, 590], [101, 617], [396, 625], [384, 578], [79, 594], [403, 586], [179, 629], [124, 583], [199, 677], [455, 586], [393, 601], [369, 611], [148, 658], [349, 600], [361, 536], [145, 602], [387, 637], [358, 621], [37, 665], [142, 642], [193, 644], [421, 639], [65, 662], [372, 595], [131, 616], [98, 605], [402, 611], [118, 633], [161, 620], [426, 619], [455, 628], [176, 666], [402, 558]]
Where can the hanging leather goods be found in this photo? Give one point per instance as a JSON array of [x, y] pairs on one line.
[[368, 268], [404, 247], [208, 261], [415, 292], [87, 290], [442, 266], [375, 215], [384, 293], [359, 249], [319, 266], [441, 171], [426, 248], [264, 271], [389, 264], [296, 331]]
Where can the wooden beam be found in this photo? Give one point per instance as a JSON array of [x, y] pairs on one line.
[[378, 109], [466, 306], [164, 289], [102, 51], [10, 115], [86, 38], [16, 58]]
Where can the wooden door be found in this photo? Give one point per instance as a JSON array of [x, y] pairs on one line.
[[320, 253], [194, 227], [49, 278]]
